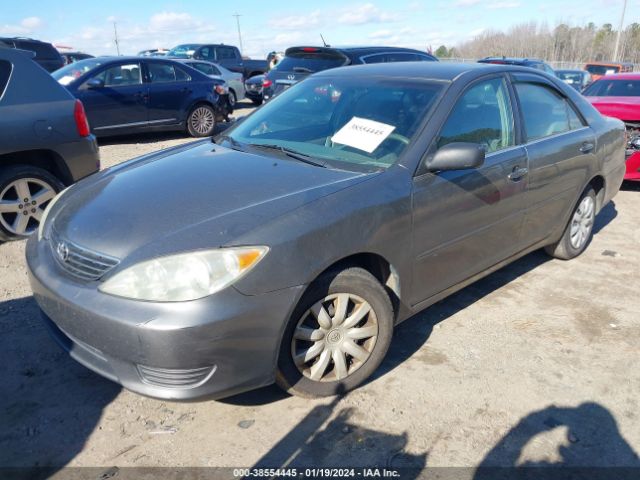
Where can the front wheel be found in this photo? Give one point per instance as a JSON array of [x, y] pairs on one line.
[[579, 231], [201, 121], [233, 99], [337, 336]]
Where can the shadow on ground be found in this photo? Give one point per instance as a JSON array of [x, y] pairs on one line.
[[51, 404]]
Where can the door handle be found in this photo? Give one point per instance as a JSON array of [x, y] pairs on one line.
[[587, 147], [518, 173]]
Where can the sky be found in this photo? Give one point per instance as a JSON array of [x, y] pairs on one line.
[[276, 24]]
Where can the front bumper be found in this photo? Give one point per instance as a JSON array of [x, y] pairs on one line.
[[81, 158], [216, 346], [633, 167]]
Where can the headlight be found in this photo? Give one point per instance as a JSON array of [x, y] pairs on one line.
[[45, 214], [183, 277]]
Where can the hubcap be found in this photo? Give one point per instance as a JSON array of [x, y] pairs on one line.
[[202, 120], [582, 223], [22, 204], [334, 337]]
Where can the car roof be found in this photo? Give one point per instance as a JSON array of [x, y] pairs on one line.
[[570, 70], [360, 49], [511, 59], [622, 76], [444, 71]]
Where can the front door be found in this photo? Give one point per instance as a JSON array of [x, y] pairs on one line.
[[118, 101], [466, 221]]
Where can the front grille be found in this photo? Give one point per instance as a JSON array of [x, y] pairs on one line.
[[78, 261], [173, 378]]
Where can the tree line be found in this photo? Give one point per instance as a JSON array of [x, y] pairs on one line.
[[560, 44]]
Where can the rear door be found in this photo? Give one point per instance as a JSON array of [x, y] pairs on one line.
[[560, 147], [120, 103], [170, 92], [465, 221]]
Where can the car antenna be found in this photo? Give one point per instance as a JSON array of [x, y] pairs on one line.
[[323, 42]]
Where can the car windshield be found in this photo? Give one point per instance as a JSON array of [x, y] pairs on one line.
[[570, 77], [613, 88], [351, 123], [309, 62], [602, 69], [69, 73], [183, 51]]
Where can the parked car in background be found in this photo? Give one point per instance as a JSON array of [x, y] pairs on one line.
[[226, 55], [522, 62], [600, 69], [46, 54], [234, 80], [253, 89], [45, 143], [70, 57], [618, 96], [578, 79], [131, 94], [290, 249], [154, 52], [300, 62]]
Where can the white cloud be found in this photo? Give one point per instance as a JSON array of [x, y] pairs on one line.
[[365, 13], [466, 3], [296, 22], [380, 34], [174, 22], [498, 5], [25, 27]]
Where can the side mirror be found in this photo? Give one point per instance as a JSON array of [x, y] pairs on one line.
[[95, 83], [457, 156]]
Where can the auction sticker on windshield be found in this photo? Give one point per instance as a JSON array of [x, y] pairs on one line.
[[363, 134]]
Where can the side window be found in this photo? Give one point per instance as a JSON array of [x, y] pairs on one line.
[[121, 75], [380, 58], [181, 75], [203, 67], [401, 57], [482, 115], [206, 53], [226, 53], [215, 70], [5, 73], [545, 111], [161, 73]]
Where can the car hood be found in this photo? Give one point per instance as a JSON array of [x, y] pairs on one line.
[[623, 108], [201, 196]]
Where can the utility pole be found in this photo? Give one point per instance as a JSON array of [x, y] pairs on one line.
[[115, 33], [615, 51], [237, 15]]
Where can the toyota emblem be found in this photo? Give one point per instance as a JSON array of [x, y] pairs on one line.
[[62, 250], [291, 77]]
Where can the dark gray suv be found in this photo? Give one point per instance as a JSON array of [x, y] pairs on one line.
[[45, 142], [288, 250]]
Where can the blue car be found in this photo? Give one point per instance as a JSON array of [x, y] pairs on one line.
[[124, 95]]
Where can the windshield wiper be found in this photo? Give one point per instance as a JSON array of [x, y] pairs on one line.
[[235, 145], [290, 153], [303, 70]]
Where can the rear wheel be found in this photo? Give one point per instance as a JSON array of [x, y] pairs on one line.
[[579, 231], [25, 192], [337, 336], [233, 99], [201, 121]]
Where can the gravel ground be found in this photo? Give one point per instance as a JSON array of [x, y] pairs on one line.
[[536, 364]]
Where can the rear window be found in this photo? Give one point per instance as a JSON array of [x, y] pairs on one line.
[[5, 73], [183, 51], [602, 69], [43, 51], [613, 88], [309, 62]]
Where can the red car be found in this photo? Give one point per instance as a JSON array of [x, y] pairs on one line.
[[618, 96]]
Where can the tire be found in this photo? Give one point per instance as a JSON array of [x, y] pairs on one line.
[[38, 186], [257, 101], [201, 121], [326, 346], [233, 99], [579, 231]]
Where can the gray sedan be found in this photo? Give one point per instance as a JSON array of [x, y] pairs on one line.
[[288, 249], [234, 80]]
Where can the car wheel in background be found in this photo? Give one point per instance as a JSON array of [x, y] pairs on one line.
[[25, 192], [233, 99], [201, 121], [337, 336], [579, 231]]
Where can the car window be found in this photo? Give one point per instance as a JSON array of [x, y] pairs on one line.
[[121, 75], [203, 67], [613, 88], [379, 58], [482, 115], [43, 51], [207, 53], [545, 112], [165, 73], [5, 73], [216, 70], [226, 53]]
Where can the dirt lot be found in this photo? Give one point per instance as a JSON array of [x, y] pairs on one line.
[[536, 364]]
